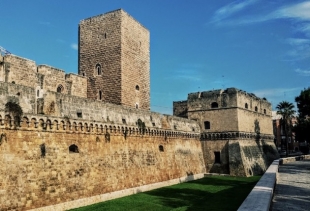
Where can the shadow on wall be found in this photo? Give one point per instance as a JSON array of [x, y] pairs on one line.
[[221, 161], [270, 152]]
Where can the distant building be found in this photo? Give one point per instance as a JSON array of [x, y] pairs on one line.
[[279, 134]]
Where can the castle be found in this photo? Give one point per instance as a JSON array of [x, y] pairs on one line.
[[67, 139]]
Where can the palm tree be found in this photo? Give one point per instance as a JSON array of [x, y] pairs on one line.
[[285, 109]]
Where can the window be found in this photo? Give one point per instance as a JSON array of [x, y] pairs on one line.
[[264, 111], [100, 95], [214, 105], [256, 108], [60, 88], [137, 88], [246, 106], [124, 121], [98, 69], [73, 149], [161, 148], [137, 105], [38, 93], [217, 157], [207, 125], [79, 114]]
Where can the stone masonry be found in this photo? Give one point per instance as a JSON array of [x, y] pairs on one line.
[[236, 130], [65, 137], [114, 55]]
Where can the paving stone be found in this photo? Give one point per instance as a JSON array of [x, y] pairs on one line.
[[292, 191]]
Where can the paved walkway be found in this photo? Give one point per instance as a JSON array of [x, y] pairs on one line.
[[292, 191]]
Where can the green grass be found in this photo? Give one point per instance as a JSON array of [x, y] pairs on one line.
[[209, 193]]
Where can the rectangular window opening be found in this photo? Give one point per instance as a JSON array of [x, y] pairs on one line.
[[79, 114], [217, 157]]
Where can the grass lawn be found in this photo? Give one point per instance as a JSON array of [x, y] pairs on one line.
[[209, 193]]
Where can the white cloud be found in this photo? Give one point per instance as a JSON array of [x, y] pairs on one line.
[[231, 9], [301, 49], [298, 41], [74, 46], [303, 72], [300, 11]]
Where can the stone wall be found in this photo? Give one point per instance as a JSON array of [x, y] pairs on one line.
[[251, 157], [19, 71], [118, 45], [227, 110], [209, 149], [46, 161], [42, 78], [135, 63], [100, 46], [180, 108], [239, 157]]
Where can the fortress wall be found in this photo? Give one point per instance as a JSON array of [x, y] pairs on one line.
[[251, 157], [180, 108], [209, 148], [135, 63], [61, 105], [216, 118], [95, 110], [31, 177], [247, 122], [78, 85], [53, 77], [24, 96], [263, 106], [20, 71]]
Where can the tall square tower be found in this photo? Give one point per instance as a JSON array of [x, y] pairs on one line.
[[114, 54]]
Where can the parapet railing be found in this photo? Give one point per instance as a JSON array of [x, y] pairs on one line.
[[58, 124], [233, 135]]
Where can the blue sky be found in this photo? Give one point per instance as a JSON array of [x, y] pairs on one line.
[[260, 46]]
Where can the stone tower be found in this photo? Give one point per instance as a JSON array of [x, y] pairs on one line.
[[114, 55]]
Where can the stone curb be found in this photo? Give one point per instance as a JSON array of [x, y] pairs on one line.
[[261, 195]]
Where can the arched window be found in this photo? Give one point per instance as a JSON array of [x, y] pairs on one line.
[[73, 149], [246, 106], [98, 69], [100, 95], [207, 125], [161, 148], [214, 105], [60, 88], [137, 87]]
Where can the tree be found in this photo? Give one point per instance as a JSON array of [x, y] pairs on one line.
[[285, 109], [303, 125], [303, 103]]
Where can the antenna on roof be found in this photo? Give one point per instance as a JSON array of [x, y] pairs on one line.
[[3, 51]]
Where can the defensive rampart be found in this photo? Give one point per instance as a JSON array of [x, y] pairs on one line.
[[46, 161]]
